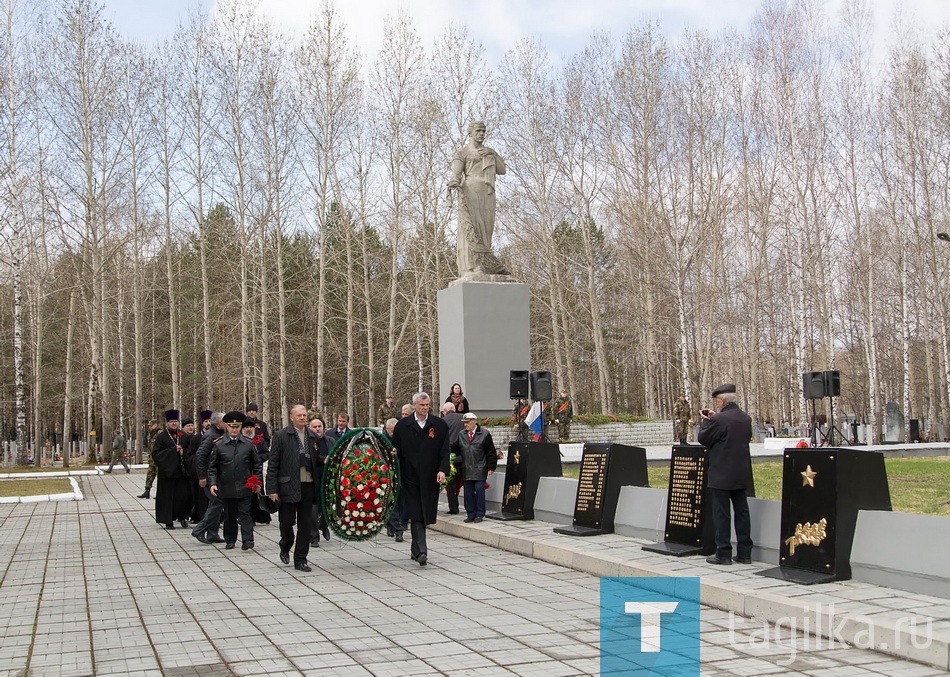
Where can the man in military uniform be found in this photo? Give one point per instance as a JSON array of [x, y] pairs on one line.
[[118, 451], [518, 412], [681, 413], [563, 414], [386, 411], [152, 428]]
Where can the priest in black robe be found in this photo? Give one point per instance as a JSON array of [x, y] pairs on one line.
[[173, 498]]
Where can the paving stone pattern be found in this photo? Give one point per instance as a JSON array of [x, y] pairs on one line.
[[98, 588]]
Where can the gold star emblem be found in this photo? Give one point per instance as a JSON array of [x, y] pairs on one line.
[[517, 457], [808, 477]]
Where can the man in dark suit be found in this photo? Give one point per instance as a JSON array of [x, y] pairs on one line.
[[341, 429], [294, 469], [422, 444], [726, 434]]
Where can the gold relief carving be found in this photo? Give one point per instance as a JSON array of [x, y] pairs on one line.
[[514, 491], [517, 457], [807, 534], [808, 477]]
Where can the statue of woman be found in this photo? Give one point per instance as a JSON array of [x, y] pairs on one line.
[[474, 168]]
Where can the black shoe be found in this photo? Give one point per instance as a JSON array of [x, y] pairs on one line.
[[742, 560], [128, 470], [451, 512], [314, 544], [169, 526], [468, 520], [478, 519], [302, 566], [285, 556], [716, 560], [215, 539], [202, 539], [247, 545], [390, 532], [325, 530], [183, 523], [399, 538], [229, 546], [108, 471], [144, 495], [422, 559]]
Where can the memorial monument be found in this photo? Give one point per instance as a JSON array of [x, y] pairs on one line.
[[484, 314]]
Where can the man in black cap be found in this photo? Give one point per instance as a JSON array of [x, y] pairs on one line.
[[726, 434], [234, 461], [173, 497]]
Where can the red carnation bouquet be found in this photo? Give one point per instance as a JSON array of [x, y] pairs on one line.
[[254, 484]]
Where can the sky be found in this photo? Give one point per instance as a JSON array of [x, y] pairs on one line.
[[562, 26]]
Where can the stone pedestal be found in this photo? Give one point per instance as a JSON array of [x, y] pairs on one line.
[[483, 335]]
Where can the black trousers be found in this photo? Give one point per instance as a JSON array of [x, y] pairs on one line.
[[302, 514], [238, 510], [721, 523], [418, 530]]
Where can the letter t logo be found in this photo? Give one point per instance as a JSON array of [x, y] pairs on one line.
[[650, 613]]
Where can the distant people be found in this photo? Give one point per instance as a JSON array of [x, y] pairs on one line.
[[681, 415], [173, 496], [454, 486], [405, 410], [118, 451], [475, 452], [726, 434], [397, 518], [518, 413], [234, 461], [292, 476], [457, 398], [341, 429], [248, 430], [386, 411], [422, 446], [563, 415], [318, 428], [207, 530], [260, 428]]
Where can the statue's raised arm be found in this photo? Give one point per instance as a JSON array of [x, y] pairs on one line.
[[474, 168]]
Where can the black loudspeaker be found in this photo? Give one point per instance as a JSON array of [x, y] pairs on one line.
[[518, 385], [541, 386], [832, 381], [813, 385]]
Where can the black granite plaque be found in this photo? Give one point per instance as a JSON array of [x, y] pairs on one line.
[[604, 469], [688, 528], [822, 491], [526, 463]]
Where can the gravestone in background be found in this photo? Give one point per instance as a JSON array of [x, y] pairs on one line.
[[893, 424], [604, 469]]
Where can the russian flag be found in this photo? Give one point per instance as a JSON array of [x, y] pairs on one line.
[[534, 420]]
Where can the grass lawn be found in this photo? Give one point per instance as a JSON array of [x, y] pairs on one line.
[[918, 485], [33, 487]]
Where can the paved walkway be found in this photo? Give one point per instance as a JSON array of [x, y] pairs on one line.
[[96, 587]]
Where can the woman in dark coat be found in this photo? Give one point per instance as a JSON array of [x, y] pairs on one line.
[[458, 399]]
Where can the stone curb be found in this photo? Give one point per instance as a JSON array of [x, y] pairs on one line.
[[74, 495], [882, 635]]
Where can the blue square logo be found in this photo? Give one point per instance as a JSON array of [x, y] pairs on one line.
[[649, 626]]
